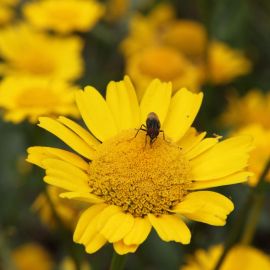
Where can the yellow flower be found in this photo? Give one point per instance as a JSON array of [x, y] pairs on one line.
[[65, 210], [116, 9], [26, 51], [239, 257], [69, 264], [254, 107], [165, 63], [226, 63], [147, 31], [32, 256], [132, 185], [30, 97], [6, 14], [64, 16], [261, 152], [188, 36]]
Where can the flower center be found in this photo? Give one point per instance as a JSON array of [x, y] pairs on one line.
[[137, 177], [164, 63]]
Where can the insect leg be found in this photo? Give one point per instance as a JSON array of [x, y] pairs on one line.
[[141, 128]]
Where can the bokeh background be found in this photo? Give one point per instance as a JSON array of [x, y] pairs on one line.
[[125, 37]]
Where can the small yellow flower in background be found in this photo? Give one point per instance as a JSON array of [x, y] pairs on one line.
[[147, 31], [66, 211], [225, 63], [254, 107], [239, 257], [64, 16], [6, 14], [10, 2], [69, 264], [215, 61], [261, 152], [190, 37], [165, 63], [31, 97], [132, 186], [32, 256], [116, 9], [29, 52]]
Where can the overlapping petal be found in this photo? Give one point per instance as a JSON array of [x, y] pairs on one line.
[[123, 103], [205, 206], [96, 113], [182, 112]]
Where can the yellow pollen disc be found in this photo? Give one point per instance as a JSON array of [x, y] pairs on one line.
[[139, 178]]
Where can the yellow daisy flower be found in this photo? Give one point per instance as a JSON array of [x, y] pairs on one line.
[[69, 264], [225, 63], [30, 97], [65, 210], [254, 107], [131, 184], [64, 16], [6, 14], [142, 67], [190, 37], [239, 257], [261, 152], [28, 52], [30, 255], [116, 9]]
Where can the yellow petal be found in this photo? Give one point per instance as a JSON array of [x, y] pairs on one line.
[[190, 139], [182, 112], [67, 136], [171, 228], [61, 182], [139, 232], [85, 222], [106, 214], [86, 233], [82, 196], [225, 158], [117, 227], [205, 206], [81, 132], [201, 147], [96, 114], [156, 99], [37, 154], [96, 243], [122, 100], [122, 249], [235, 178]]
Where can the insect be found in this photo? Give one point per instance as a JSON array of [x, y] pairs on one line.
[[152, 128]]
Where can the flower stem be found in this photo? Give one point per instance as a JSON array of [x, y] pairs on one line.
[[118, 262], [248, 217]]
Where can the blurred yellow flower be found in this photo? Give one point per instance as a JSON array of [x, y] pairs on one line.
[[10, 2], [133, 186], [261, 152], [165, 63], [64, 16], [239, 257], [69, 264], [66, 211], [26, 51], [225, 63], [117, 9], [30, 97], [147, 31], [32, 256], [6, 14], [190, 37], [254, 107]]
